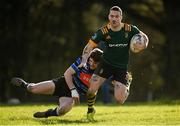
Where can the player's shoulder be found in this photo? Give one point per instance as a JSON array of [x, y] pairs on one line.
[[78, 61], [104, 29], [127, 27], [130, 27]]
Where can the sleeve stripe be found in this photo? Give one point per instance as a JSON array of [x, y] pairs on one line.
[[77, 62], [92, 43], [104, 30], [127, 27], [75, 67]]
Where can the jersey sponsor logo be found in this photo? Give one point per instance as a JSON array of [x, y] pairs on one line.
[[85, 78], [118, 45]]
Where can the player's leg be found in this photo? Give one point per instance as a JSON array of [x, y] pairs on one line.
[[62, 90], [120, 92], [45, 87], [121, 87], [65, 105], [95, 83], [102, 72]]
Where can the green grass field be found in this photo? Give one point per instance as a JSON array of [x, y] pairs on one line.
[[127, 114]]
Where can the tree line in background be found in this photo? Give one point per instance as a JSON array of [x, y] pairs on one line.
[[40, 39]]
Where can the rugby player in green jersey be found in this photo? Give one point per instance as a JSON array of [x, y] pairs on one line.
[[114, 62]]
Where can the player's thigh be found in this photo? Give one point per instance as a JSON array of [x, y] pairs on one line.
[[95, 82], [45, 87], [120, 91]]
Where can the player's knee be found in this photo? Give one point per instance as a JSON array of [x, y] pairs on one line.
[[120, 101]]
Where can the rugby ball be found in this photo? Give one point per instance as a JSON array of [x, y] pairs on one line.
[[140, 38]]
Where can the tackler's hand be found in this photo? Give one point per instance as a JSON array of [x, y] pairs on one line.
[[75, 95]]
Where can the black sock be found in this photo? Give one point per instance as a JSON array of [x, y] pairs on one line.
[[90, 110], [52, 112], [91, 102]]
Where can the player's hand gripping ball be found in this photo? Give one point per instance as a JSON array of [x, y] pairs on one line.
[[139, 42]]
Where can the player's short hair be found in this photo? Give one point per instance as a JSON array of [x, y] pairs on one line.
[[96, 54], [116, 8]]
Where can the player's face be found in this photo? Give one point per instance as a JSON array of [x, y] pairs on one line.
[[93, 64], [115, 18]]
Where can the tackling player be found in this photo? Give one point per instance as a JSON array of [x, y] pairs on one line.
[[75, 81]]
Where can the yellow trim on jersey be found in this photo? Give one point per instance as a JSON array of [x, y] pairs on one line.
[[105, 29], [92, 43], [127, 27]]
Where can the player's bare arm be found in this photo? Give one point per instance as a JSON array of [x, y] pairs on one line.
[[68, 77], [69, 80], [86, 51]]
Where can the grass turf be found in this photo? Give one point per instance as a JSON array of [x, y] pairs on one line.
[[127, 114]]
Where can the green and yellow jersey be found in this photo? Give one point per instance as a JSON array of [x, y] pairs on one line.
[[117, 44]]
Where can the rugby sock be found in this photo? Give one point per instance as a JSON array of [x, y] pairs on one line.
[[52, 112], [91, 101]]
